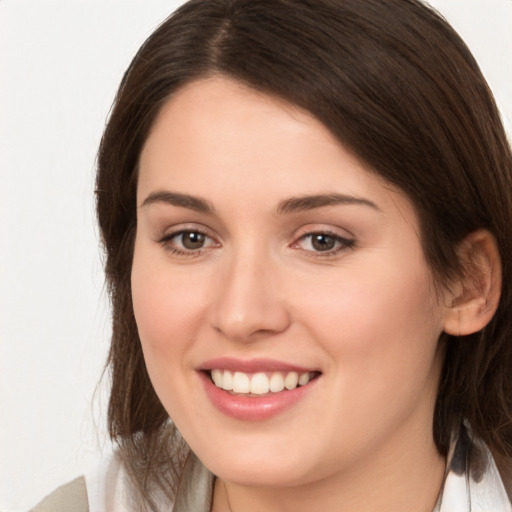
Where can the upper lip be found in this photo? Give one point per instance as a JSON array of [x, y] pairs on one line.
[[252, 365]]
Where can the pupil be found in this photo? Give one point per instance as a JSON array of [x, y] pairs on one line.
[[192, 240], [323, 242]]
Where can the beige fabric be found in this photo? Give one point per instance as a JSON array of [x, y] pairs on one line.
[[71, 497]]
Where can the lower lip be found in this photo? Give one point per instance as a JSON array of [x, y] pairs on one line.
[[253, 408]]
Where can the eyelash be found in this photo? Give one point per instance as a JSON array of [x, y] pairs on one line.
[[166, 242], [342, 243]]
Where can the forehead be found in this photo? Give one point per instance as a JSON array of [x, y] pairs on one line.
[[217, 135], [225, 119]]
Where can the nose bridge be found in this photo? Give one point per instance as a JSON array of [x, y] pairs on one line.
[[248, 301]]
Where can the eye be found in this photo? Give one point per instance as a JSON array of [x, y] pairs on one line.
[[322, 242], [326, 243], [191, 240], [187, 242]]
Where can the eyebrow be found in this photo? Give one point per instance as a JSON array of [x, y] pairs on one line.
[[305, 203], [291, 205], [176, 199]]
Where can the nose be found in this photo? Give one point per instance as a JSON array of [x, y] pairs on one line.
[[249, 303]]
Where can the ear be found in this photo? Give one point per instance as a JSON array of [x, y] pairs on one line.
[[474, 298]]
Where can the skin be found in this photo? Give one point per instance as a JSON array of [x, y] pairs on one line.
[[365, 314]]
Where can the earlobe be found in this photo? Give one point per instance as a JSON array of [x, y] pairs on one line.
[[475, 298]]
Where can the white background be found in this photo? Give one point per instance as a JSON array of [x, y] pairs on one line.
[[60, 64]]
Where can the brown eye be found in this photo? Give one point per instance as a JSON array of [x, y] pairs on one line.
[[322, 242], [187, 242], [192, 240]]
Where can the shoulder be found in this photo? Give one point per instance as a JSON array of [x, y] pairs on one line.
[[107, 487], [104, 487], [72, 496]]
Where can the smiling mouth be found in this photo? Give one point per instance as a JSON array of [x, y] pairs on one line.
[[260, 383]]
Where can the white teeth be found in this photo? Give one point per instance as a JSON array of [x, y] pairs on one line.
[[258, 383], [241, 383], [227, 381], [291, 380], [217, 377], [303, 379], [276, 383]]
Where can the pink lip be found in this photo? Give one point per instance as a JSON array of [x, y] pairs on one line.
[[252, 408], [251, 365]]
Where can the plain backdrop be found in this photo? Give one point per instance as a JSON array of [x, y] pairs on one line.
[[60, 64]]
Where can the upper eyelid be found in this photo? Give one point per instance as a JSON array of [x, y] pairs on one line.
[[174, 234], [166, 238], [169, 232], [312, 229], [340, 233]]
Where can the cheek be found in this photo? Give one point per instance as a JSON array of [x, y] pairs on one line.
[[379, 326], [168, 307], [366, 308], [166, 304], [380, 333]]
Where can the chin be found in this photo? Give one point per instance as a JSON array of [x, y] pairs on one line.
[[267, 463], [270, 473]]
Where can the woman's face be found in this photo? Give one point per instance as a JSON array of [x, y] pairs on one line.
[[267, 253]]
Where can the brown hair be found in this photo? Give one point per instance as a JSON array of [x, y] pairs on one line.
[[395, 84]]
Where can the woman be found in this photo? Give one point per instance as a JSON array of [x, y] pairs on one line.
[[305, 208]]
